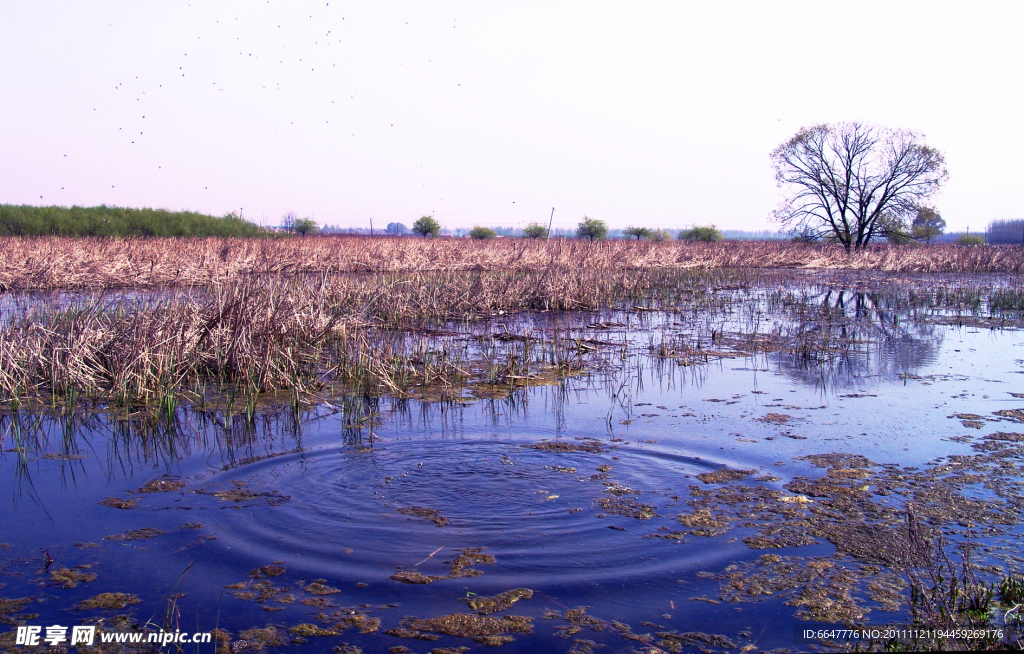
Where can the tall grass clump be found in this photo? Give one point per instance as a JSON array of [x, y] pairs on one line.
[[27, 220]]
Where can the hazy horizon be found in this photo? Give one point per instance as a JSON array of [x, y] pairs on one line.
[[661, 115]]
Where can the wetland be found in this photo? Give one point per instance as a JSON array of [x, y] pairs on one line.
[[629, 460]]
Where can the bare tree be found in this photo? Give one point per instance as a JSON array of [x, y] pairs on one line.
[[854, 182], [288, 221]]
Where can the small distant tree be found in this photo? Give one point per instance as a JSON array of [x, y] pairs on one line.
[[927, 224], [304, 226], [591, 228], [638, 232], [426, 226], [707, 234], [481, 233], [661, 235], [288, 221], [970, 239], [396, 229], [535, 230]]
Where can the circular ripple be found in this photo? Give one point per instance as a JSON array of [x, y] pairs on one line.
[[527, 507]]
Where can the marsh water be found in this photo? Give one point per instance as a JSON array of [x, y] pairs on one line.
[[689, 490]]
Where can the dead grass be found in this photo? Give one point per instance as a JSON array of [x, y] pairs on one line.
[[93, 263]]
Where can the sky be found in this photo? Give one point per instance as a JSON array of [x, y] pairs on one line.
[[657, 114]]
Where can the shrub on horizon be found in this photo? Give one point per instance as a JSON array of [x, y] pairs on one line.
[[591, 228], [661, 235], [426, 226], [535, 230], [707, 234], [638, 232]]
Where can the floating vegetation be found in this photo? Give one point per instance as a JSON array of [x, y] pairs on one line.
[[423, 512], [776, 418], [497, 603], [308, 630], [461, 566], [240, 494], [319, 587], [627, 507], [257, 638], [354, 619], [108, 601], [68, 578], [675, 642], [483, 629], [272, 570], [137, 534], [118, 503], [590, 445], [162, 486], [724, 475], [703, 523]]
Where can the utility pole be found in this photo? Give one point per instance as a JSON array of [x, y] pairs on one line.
[[371, 226], [550, 222]]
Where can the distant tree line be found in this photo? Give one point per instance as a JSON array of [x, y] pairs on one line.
[[24, 220], [1006, 231]]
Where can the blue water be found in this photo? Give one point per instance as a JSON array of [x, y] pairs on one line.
[[327, 494]]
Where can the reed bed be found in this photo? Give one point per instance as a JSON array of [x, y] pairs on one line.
[[424, 333], [44, 263], [268, 333]]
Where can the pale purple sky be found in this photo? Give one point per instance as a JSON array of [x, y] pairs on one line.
[[645, 113]]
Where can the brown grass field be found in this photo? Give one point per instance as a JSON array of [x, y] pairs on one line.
[[42, 263]]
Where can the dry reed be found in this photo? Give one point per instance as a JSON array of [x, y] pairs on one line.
[[91, 263], [267, 333]]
